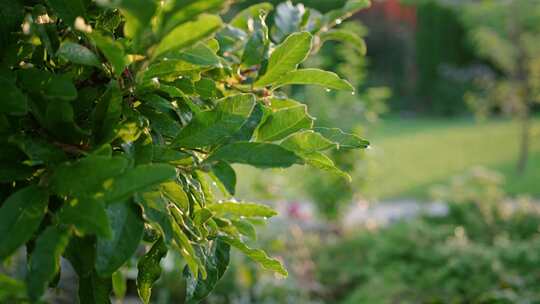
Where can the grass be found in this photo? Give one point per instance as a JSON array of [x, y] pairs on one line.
[[409, 156]]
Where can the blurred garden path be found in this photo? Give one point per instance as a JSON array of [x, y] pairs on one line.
[[368, 214]]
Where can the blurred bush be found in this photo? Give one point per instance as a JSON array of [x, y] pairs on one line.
[[485, 250]]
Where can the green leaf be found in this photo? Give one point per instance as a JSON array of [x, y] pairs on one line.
[[38, 150], [187, 34], [258, 44], [45, 260], [68, 10], [307, 142], [150, 270], [256, 255], [137, 14], [320, 161], [59, 87], [137, 179], [187, 251], [127, 231], [119, 285], [113, 51], [201, 55], [226, 176], [107, 114], [284, 122], [307, 145], [169, 69], [14, 101], [256, 49], [95, 170], [242, 19], [216, 264], [351, 7], [214, 126], [180, 11], [88, 216], [286, 57], [78, 54], [345, 36], [242, 209], [248, 128], [262, 155], [156, 213], [176, 194], [245, 228], [317, 77], [60, 120], [342, 139], [20, 215], [95, 289]]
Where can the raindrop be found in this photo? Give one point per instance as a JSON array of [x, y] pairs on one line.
[[328, 90], [338, 21], [353, 93]]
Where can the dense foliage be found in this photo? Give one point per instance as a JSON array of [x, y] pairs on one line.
[[120, 124], [484, 250]]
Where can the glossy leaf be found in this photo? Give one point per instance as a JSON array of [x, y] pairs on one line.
[[149, 270], [107, 114], [87, 215], [176, 194], [20, 215], [262, 155], [65, 180], [216, 264], [307, 142], [113, 51], [45, 260], [226, 176], [284, 122], [242, 19], [316, 77], [188, 33], [211, 127], [137, 179], [127, 231], [78, 54], [286, 57], [242, 209], [256, 255], [342, 139]]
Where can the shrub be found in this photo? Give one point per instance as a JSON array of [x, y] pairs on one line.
[[485, 250], [121, 116]]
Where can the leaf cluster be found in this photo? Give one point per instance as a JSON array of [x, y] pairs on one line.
[[121, 116]]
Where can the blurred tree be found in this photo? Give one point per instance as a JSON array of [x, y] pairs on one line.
[[507, 34]]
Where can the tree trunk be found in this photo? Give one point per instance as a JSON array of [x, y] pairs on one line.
[[525, 142]]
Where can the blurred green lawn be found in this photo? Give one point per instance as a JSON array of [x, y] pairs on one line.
[[412, 155]]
